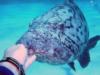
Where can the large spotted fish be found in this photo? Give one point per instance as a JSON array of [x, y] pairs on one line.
[[60, 36]]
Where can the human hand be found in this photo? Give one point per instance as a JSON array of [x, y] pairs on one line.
[[19, 52]]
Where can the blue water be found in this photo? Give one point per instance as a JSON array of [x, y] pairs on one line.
[[15, 16]]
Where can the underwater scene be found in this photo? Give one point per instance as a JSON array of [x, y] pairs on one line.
[[71, 29]]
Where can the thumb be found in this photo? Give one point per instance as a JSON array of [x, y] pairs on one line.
[[29, 61]]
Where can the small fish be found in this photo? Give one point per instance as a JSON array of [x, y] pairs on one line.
[[60, 36]]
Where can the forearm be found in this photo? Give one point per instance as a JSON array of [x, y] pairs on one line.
[[17, 60]]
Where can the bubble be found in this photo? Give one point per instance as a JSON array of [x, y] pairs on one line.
[[95, 4]]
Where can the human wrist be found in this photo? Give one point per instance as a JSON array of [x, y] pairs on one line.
[[12, 62], [10, 66]]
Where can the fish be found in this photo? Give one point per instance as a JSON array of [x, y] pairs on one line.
[[60, 36]]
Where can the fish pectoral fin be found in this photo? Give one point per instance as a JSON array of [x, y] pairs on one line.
[[93, 41], [71, 64], [84, 59]]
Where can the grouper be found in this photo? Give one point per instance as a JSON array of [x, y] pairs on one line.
[[60, 36]]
